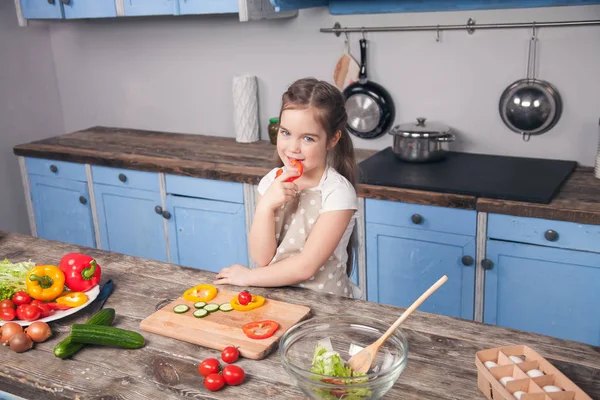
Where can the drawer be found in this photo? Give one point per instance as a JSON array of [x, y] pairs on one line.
[[419, 216], [205, 188], [126, 178], [56, 169], [561, 234]]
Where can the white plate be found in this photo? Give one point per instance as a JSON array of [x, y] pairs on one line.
[[58, 314]]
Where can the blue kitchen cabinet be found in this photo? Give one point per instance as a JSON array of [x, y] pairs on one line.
[[150, 7], [545, 290], [287, 5], [41, 9], [206, 234], [409, 247], [543, 276], [128, 218], [208, 6], [206, 222], [62, 210], [89, 9]]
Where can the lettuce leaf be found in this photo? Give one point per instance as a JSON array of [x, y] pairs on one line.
[[12, 277]]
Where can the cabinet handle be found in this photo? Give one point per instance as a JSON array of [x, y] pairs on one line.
[[82, 200], [416, 219], [51, 1], [166, 214], [551, 235], [53, 168], [487, 264], [66, 2], [467, 261], [158, 210], [122, 177]]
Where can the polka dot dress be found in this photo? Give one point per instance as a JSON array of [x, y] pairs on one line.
[[293, 224]]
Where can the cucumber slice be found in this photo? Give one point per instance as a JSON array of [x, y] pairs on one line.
[[199, 304], [225, 307], [212, 307], [200, 313], [181, 308]]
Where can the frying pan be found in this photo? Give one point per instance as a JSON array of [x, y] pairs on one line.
[[530, 106], [369, 106]]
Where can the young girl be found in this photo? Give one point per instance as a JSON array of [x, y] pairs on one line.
[[301, 233]]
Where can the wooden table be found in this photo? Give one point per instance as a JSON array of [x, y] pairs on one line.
[[441, 349]]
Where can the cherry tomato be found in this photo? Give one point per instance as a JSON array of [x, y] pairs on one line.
[[233, 375], [209, 366], [21, 298], [44, 310], [244, 298], [230, 354], [7, 314], [20, 312], [7, 304], [31, 313], [214, 382]]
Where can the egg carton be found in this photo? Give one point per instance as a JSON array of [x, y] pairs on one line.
[[518, 372]]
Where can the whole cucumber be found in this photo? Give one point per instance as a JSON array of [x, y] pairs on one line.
[[67, 348], [106, 336]]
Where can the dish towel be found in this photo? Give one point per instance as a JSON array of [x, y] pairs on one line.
[[245, 108]]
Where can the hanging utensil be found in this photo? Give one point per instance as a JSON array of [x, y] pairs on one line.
[[347, 69], [530, 106], [369, 106]]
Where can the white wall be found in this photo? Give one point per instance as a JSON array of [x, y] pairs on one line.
[[29, 106], [175, 73]]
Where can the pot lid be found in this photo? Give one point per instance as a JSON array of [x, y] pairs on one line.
[[421, 129]]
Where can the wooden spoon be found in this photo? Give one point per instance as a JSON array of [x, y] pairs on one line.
[[361, 361]]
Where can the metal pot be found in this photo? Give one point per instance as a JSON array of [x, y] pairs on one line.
[[421, 142]]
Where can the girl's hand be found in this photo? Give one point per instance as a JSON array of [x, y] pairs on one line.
[[237, 275], [280, 192]]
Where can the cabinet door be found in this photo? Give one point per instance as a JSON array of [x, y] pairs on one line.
[[89, 9], [41, 9], [544, 290], [208, 6], [128, 222], [403, 262], [149, 7], [285, 5], [62, 210], [206, 234]]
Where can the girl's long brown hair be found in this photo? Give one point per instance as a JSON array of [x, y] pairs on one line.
[[330, 112]]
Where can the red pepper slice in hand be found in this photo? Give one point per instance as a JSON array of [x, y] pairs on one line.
[[296, 164], [260, 329], [81, 272]]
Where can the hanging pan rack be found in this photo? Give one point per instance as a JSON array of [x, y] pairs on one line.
[[470, 26]]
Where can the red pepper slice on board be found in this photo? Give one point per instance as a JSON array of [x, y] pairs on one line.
[[296, 164], [260, 329]]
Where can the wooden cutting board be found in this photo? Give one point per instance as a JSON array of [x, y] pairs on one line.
[[221, 329]]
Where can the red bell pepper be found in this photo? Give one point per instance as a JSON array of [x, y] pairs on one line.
[[296, 164], [260, 329], [81, 272]]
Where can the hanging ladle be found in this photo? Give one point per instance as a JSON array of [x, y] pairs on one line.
[[530, 106], [361, 361]]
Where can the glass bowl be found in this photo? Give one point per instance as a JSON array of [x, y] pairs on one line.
[[297, 347]]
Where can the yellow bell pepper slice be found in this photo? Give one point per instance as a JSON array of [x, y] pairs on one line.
[[256, 302], [203, 292], [45, 282], [72, 299]]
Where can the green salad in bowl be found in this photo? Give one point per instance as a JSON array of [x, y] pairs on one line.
[[314, 354]]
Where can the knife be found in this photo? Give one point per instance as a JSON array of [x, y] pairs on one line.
[[105, 291]]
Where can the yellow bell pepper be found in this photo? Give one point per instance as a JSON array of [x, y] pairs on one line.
[[202, 292], [256, 302], [45, 282], [72, 299]]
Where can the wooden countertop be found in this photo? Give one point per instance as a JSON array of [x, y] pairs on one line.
[[224, 159], [441, 362]]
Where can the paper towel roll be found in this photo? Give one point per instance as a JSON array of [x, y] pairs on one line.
[[245, 108]]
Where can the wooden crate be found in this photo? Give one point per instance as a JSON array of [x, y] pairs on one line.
[[514, 376]]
